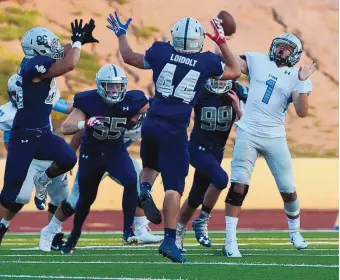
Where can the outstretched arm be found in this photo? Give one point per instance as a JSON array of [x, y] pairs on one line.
[[120, 29]]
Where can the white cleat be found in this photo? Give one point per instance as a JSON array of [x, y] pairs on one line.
[[180, 232], [46, 238], [298, 241], [231, 250], [145, 235]]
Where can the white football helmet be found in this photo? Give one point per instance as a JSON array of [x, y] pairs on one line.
[[187, 36], [218, 86], [108, 75], [290, 40], [12, 89], [41, 41]]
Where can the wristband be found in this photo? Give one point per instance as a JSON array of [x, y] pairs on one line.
[[76, 44], [81, 125]]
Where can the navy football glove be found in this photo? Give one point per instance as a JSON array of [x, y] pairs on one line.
[[117, 26]]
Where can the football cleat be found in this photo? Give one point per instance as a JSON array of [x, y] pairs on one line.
[[41, 181], [46, 238], [57, 242], [169, 250], [70, 245], [180, 232], [298, 241], [231, 249], [3, 230], [145, 236], [149, 206], [200, 227], [129, 238]]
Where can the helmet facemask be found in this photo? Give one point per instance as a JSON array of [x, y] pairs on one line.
[[113, 90], [218, 87], [292, 58]]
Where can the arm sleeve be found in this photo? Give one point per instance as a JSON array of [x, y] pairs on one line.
[[61, 106], [6, 135]]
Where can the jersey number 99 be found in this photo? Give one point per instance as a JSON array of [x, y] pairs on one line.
[[213, 119]]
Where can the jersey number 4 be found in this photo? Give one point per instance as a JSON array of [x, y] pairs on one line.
[[112, 132], [184, 90], [270, 87], [213, 119]]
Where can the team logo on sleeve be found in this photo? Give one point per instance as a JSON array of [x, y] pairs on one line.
[[40, 69]]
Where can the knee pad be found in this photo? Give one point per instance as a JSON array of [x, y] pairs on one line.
[[292, 208], [52, 208], [67, 209], [235, 198], [194, 202], [13, 207]]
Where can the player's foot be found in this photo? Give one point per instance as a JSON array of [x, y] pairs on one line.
[[70, 245], [298, 241], [169, 249], [57, 242], [231, 249], [200, 227], [149, 206], [41, 181], [46, 238], [3, 230], [180, 232], [144, 234], [129, 238]]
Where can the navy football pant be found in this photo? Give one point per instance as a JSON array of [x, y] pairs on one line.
[[208, 170], [166, 153], [91, 170], [25, 146]]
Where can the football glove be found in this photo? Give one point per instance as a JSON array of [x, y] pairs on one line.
[[218, 37], [93, 121], [117, 26], [88, 37]]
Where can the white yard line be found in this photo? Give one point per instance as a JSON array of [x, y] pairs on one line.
[[80, 277], [170, 263]]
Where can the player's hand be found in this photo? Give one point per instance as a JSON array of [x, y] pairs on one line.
[[234, 98], [91, 122], [88, 29], [77, 31], [218, 37], [306, 70], [117, 26]]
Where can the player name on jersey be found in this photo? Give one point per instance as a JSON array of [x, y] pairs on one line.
[[182, 59]]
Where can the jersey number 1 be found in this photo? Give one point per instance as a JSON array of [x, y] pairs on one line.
[[270, 87], [184, 90]]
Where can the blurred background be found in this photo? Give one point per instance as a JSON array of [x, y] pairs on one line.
[[313, 140]]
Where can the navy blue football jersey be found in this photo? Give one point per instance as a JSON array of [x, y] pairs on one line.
[[34, 99], [214, 118], [179, 79], [117, 116]]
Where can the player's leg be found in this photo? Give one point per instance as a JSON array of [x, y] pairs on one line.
[[19, 158], [149, 155], [279, 160], [194, 200], [64, 211], [120, 166], [208, 162], [91, 171], [64, 159], [242, 165], [173, 159]]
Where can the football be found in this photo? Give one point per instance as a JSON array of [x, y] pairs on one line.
[[228, 23]]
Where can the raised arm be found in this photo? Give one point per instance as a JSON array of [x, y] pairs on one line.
[[120, 29]]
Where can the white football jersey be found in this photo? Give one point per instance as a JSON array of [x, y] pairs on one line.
[[270, 93], [7, 114], [133, 134]]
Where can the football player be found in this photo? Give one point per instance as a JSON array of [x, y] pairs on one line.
[[57, 190], [105, 113], [31, 136], [215, 112], [180, 71], [275, 83], [67, 207]]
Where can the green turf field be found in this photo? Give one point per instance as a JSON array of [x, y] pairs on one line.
[[101, 256]]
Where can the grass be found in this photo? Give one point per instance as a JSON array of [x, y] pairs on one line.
[[15, 22], [146, 31], [265, 256]]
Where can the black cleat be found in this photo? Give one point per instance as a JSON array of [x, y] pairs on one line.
[[3, 230], [150, 208], [70, 245], [57, 242]]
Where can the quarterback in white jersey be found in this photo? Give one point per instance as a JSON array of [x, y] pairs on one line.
[[275, 82], [67, 207], [57, 190]]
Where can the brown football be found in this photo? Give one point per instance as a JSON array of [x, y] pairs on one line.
[[228, 23]]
